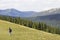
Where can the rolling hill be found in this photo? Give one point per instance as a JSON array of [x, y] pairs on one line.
[[24, 33]]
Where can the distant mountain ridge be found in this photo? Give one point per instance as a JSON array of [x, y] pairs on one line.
[[17, 13]]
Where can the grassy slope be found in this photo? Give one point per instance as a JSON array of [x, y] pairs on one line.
[[24, 33]]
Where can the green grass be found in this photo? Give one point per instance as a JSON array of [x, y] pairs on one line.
[[23, 33]]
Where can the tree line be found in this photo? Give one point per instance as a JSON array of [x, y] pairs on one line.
[[31, 24]]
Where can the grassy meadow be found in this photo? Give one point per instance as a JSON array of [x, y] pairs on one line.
[[20, 32]]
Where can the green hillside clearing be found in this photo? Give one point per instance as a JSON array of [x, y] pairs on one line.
[[23, 33]]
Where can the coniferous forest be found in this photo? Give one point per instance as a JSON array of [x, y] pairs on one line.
[[31, 24]]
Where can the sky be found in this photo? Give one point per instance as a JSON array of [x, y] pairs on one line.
[[30, 5]]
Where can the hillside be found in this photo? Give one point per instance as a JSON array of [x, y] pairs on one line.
[[24, 33]]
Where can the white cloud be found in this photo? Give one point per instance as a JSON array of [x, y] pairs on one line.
[[35, 5]]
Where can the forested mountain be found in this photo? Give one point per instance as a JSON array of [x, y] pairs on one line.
[[19, 17], [51, 16], [31, 24]]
